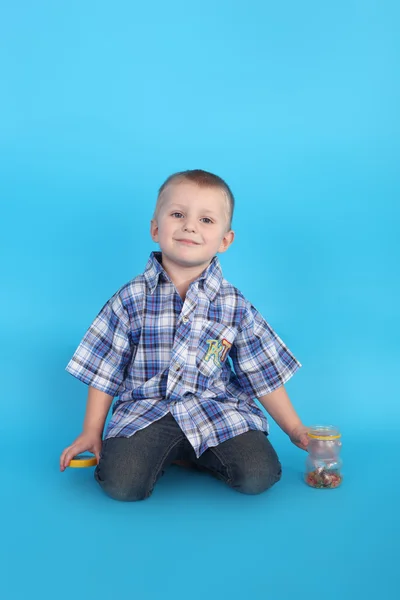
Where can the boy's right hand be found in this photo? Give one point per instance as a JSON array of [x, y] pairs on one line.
[[85, 442]]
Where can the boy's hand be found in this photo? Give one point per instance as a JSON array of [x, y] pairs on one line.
[[86, 441], [299, 436]]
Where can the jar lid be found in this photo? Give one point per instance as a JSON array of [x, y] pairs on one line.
[[83, 460], [324, 432]]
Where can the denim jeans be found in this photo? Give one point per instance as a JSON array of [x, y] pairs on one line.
[[130, 467]]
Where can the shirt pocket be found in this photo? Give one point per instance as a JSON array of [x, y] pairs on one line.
[[215, 342]]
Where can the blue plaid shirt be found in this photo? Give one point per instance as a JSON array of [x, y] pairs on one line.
[[160, 354]]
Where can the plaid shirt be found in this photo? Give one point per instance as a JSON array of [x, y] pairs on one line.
[[160, 354]]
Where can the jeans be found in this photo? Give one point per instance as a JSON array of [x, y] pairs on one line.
[[130, 467]]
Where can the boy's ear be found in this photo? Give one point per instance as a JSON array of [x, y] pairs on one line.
[[227, 241], [154, 230]]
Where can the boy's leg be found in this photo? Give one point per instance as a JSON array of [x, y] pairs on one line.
[[130, 467], [247, 463]]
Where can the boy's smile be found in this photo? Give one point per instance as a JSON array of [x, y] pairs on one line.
[[191, 226], [189, 242]]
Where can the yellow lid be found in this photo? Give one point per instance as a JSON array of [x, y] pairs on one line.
[[83, 460], [324, 432]]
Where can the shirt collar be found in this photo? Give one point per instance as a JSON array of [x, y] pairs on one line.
[[211, 277], [154, 270]]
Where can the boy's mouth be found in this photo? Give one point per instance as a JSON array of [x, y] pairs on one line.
[[188, 242]]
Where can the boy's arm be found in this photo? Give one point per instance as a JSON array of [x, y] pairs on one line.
[[278, 405], [98, 405]]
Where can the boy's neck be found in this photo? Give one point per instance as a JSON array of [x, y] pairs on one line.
[[182, 277]]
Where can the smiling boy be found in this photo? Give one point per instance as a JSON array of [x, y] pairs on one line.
[[165, 344]]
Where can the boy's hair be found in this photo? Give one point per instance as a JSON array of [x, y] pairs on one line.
[[202, 179]]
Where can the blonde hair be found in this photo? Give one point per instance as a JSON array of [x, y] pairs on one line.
[[202, 179]]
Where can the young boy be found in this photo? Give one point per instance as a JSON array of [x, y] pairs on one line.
[[162, 344]]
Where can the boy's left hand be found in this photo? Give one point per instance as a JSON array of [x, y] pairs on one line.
[[299, 436]]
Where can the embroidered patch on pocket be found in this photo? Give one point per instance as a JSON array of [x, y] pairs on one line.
[[217, 350]]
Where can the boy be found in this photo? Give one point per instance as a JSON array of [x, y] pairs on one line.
[[161, 344]]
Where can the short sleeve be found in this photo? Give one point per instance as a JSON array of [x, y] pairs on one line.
[[105, 350], [261, 360]]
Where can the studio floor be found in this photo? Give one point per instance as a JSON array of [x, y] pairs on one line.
[[195, 538]]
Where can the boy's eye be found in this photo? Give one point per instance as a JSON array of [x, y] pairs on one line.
[[178, 215]]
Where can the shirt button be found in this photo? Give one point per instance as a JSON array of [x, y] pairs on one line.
[[185, 318], [177, 368]]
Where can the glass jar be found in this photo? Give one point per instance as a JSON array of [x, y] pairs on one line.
[[323, 465]]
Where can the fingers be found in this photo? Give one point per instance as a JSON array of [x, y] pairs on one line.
[[300, 437], [81, 444], [62, 459], [96, 452], [66, 457], [305, 440], [301, 446], [301, 443], [69, 454]]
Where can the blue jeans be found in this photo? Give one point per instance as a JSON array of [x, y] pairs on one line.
[[130, 467]]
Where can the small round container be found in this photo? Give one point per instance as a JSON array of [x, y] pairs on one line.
[[83, 460], [323, 465]]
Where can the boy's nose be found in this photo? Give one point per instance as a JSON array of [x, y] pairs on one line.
[[189, 226]]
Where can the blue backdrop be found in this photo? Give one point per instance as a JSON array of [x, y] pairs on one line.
[[296, 105]]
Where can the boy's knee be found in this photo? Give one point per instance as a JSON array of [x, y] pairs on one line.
[[125, 493], [119, 486], [257, 478]]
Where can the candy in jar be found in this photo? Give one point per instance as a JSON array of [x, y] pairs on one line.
[[323, 465]]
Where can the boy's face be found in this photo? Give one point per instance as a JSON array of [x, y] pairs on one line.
[[191, 225]]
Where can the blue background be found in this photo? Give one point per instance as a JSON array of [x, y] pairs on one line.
[[296, 105]]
